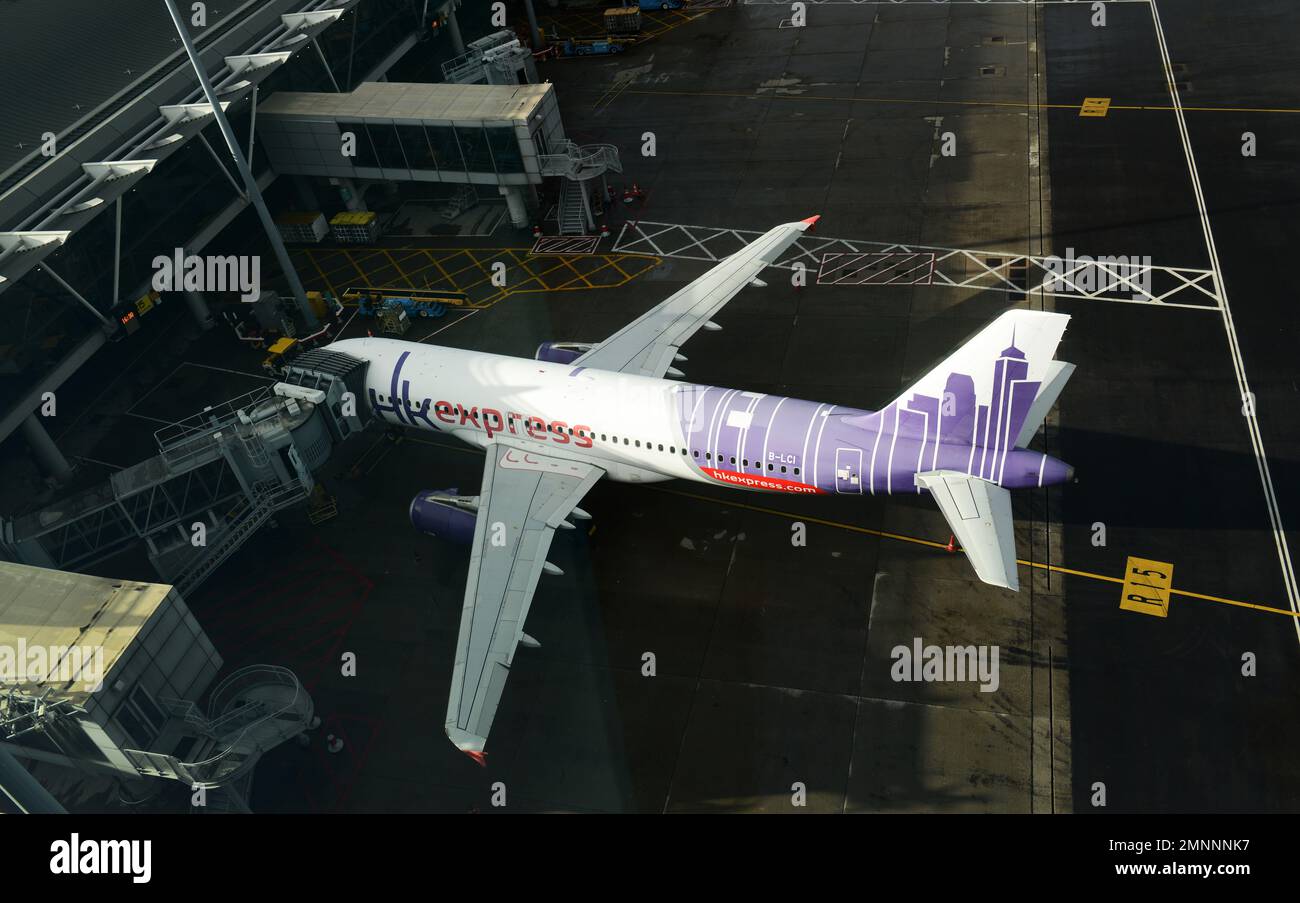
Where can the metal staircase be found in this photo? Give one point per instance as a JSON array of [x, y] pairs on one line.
[[228, 468], [578, 165], [252, 711], [243, 521], [581, 161], [572, 213]]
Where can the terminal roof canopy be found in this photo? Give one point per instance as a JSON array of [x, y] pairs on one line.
[[63, 59], [46, 608], [396, 101]]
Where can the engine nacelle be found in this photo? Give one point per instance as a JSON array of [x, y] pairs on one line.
[[561, 352], [446, 515]]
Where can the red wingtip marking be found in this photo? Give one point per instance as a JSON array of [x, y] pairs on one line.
[[477, 755], [812, 220]]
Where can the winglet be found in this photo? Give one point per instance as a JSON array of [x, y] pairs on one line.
[[811, 221]]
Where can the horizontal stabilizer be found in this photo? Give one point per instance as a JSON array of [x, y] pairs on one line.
[[979, 513]]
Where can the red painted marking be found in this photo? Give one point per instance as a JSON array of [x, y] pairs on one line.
[[761, 481]]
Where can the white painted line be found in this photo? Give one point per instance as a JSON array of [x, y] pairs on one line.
[[151, 419], [978, 270], [156, 386], [1234, 347], [450, 325], [344, 327], [262, 376]]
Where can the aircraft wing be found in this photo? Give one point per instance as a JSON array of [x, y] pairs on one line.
[[979, 513], [649, 343], [525, 496]]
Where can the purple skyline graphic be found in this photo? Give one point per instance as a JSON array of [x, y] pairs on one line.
[[848, 450]]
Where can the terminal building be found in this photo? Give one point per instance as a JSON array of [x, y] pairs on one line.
[[120, 159]]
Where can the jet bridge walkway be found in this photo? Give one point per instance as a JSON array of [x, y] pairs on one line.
[[218, 476]]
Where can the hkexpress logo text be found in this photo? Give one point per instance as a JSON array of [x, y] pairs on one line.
[[490, 420]]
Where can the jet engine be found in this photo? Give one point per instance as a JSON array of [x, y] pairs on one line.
[[444, 514], [561, 352]]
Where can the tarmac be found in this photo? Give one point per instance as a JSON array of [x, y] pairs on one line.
[[695, 657]]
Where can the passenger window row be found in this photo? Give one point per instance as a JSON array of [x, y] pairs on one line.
[[672, 449], [708, 456]]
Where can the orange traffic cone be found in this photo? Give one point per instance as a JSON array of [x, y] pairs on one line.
[[952, 543]]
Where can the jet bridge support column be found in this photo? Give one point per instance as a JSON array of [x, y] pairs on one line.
[[47, 453], [534, 33], [515, 203], [352, 196], [453, 28]]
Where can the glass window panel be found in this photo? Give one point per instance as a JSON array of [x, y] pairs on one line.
[[387, 145], [473, 144], [134, 726], [446, 153], [365, 150], [505, 149], [539, 139], [416, 147]]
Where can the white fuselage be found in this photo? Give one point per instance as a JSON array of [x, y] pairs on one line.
[[618, 420]]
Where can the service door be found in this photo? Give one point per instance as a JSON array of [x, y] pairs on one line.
[[848, 470]]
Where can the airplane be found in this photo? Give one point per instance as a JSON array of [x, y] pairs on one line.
[[554, 425]]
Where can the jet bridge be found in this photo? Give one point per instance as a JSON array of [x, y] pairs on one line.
[[217, 477]]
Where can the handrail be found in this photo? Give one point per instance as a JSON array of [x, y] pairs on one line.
[[206, 769], [202, 422], [573, 159]]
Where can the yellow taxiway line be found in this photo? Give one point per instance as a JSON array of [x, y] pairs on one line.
[[1054, 568]]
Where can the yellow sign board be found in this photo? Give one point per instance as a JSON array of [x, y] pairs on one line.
[[1147, 587], [146, 303], [1095, 106]]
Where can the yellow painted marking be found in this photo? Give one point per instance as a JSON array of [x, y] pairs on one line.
[[401, 273], [1094, 106], [681, 17], [356, 266], [438, 265], [1147, 586], [328, 284], [464, 269], [621, 271]]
